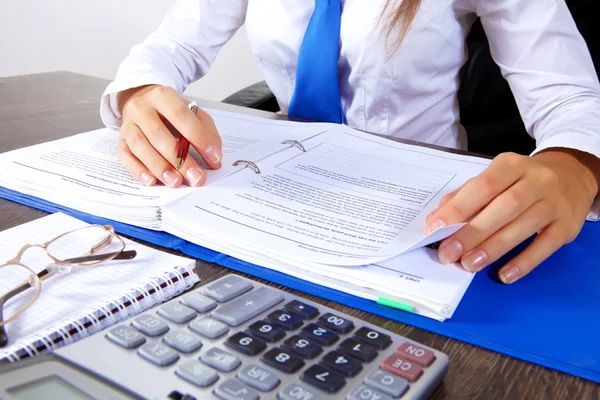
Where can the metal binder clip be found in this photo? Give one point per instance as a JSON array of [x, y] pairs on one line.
[[250, 163], [294, 143]]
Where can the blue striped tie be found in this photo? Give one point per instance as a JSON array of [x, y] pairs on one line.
[[316, 95]]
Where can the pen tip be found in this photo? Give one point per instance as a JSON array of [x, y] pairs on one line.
[[178, 163]]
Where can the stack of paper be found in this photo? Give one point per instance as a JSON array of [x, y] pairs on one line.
[[339, 216], [345, 209], [83, 171]]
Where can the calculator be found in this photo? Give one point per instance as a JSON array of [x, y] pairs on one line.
[[236, 339]]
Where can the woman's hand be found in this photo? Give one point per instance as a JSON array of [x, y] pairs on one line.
[[514, 198], [147, 147]]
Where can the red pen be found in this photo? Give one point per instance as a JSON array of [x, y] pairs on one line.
[[183, 145]]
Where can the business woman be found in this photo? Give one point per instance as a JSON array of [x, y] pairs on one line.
[[389, 67]]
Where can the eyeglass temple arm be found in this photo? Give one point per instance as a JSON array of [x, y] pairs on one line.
[[103, 243], [7, 296], [3, 337], [127, 255], [124, 255]]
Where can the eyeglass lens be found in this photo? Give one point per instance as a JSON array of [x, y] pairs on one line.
[[19, 287]]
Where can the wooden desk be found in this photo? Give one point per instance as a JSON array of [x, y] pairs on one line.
[[38, 108]]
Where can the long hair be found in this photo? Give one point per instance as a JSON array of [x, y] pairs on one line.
[[400, 19]]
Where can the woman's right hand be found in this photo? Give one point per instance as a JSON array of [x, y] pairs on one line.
[[147, 148]]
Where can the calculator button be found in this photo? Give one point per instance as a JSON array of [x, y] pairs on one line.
[[198, 302], [341, 363], [176, 395], [297, 391], [158, 353], [186, 342], [361, 351], [387, 383], [287, 321], [335, 323], [323, 378], [266, 331], [415, 353], [259, 378], [403, 368], [302, 310], [208, 327], [220, 360], [366, 393], [305, 348], [196, 373], [373, 337], [282, 360], [245, 344], [126, 336], [177, 313], [232, 389], [150, 325], [226, 288], [247, 306], [319, 334]]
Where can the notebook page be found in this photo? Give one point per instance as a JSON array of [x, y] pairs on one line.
[[81, 292]]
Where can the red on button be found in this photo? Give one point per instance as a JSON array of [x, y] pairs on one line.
[[402, 368], [415, 353]]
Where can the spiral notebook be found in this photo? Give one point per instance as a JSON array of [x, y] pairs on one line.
[[82, 302]]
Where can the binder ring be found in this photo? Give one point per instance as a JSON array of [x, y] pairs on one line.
[[249, 163], [294, 143]]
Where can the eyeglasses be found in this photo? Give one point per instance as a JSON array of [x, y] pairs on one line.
[[81, 248]]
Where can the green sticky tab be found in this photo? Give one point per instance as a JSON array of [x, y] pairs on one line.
[[394, 304]]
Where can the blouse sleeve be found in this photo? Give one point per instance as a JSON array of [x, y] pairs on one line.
[[179, 52], [548, 66]]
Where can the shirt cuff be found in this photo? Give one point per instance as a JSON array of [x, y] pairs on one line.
[[587, 143], [109, 112]]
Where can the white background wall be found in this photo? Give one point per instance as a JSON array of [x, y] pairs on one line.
[[92, 37]]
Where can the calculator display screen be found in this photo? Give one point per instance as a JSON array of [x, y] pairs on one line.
[[49, 387]]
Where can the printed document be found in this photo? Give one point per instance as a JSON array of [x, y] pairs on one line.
[[349, 199]]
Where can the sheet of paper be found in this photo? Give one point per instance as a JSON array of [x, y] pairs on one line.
[[416, 278], [83, 172], [87, 164], [350, 199]]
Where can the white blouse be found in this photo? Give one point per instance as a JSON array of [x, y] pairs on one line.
[[409, 93]]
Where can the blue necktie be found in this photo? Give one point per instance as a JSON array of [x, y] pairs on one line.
[[316, 95]]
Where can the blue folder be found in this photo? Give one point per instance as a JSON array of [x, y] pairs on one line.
[[550, 318]]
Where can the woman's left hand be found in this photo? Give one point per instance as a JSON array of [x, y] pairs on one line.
[[514, 198]]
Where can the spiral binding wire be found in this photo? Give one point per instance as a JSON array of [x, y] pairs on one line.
[[78, 326], [85, 324], [64, 334]]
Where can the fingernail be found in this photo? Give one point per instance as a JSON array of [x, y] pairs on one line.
[[172, 178], [474, 260], [194, 175], [146, 178], [429, 217], [450, 252], [438, 223], [213, 155], [509, 274]]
